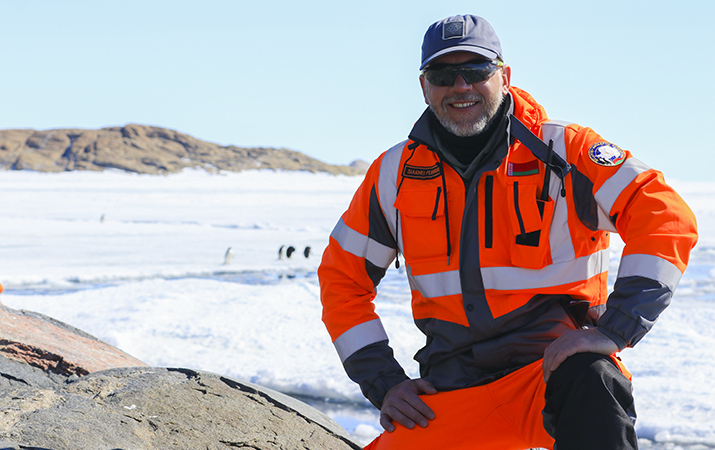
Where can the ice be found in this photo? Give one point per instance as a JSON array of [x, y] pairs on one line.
[[137, 261]]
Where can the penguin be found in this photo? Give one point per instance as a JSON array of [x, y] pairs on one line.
[[306, 252], [280, 252], [289, 251], [228, 257]]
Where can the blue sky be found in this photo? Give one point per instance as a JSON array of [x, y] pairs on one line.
[[339, 80]]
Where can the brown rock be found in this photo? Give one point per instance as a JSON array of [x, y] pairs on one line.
[[142, 149], [50, 345], [63, 389], [158, 408], [360, 165]]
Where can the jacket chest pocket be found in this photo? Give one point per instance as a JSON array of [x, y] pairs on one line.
[[422, 223], [529, 221]]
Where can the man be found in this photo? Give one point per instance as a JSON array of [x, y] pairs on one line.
[[502, 217]]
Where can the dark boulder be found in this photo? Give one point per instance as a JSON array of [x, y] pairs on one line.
[[161, 408], [63, 389]]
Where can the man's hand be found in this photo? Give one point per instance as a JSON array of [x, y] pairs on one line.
[[403, 405], [576, 341]]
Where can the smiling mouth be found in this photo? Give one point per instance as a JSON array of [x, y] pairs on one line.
[[463, 105]]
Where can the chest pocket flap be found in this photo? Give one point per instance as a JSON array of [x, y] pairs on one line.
[[427, 202], [530, 219], [422, 227], [524, 210]]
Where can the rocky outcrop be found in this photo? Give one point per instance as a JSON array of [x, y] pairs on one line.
[[360, 165], [55, 347], [160, 408], [142, 149], [65, 390]]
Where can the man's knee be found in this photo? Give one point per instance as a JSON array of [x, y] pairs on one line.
[[591, 378], [584, 368], [588, 398]]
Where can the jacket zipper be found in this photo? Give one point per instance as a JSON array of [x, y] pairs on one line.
[[522, 231], [488, 211], [436, 203]]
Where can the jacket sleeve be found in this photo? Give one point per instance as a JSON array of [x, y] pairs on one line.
[[657, 227], [360, 250]]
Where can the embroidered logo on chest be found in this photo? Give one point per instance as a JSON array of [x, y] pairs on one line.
[[420, 173]]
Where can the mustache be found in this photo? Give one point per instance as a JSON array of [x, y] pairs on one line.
[[463, 98]]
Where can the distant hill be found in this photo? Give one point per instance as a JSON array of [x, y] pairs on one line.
[[144, 149]]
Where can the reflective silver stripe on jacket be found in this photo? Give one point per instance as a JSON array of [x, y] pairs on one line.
[[358, 244], [358, 337], [580, 269], [435, 284], [562, 249], [612, 188], [512, 278], [651, 267], [387, 186], [362, 246]]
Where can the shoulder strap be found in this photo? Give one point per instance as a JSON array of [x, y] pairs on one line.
[[539, 148]]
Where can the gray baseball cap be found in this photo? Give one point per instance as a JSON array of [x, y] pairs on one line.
[[464, 33]]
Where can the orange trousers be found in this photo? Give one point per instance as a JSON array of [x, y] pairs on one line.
[[502, 415]]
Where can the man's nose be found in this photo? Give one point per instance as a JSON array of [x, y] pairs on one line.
[[460, 83]]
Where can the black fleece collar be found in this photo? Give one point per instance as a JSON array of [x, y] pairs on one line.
[[456, 150]]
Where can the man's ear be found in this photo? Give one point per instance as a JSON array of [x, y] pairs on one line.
[[423, 85], [506, 79]]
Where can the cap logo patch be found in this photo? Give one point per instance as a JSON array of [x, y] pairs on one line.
[[606, 154], [453, 30]]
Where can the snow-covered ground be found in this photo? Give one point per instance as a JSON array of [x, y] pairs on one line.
[[138, 261]]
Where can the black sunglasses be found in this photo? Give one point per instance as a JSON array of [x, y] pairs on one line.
[[473, 72]]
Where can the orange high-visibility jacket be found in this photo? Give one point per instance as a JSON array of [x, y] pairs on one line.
[[502, 264]]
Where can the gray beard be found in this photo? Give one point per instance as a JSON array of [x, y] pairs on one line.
[[473, 128]]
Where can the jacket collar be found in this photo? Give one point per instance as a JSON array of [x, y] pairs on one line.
[[422, 131]]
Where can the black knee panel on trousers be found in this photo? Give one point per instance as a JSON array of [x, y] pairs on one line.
[[589, 405]]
